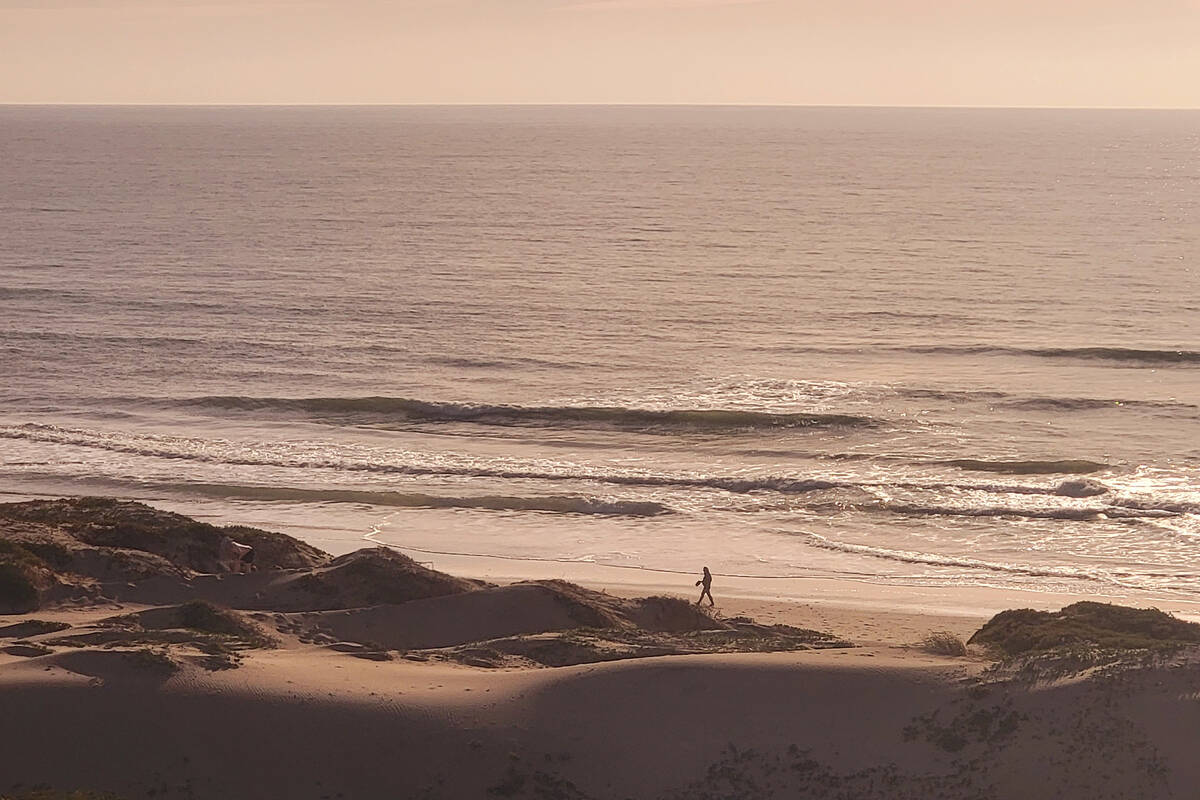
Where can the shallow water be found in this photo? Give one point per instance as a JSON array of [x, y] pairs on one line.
[[916, 346]]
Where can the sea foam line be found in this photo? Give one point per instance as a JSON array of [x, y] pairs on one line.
[[321, 456]]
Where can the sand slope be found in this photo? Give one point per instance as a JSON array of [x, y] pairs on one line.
[[337, 679], [869, 723]]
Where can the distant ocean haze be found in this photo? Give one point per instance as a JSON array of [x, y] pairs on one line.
[[908, 346]]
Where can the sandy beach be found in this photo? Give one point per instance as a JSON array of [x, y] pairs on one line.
[[116, 698]]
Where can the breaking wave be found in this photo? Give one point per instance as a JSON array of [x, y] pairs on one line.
[[1022, 402], [916, 557], [1072, 513], [1093, 404], [293, 455], [1122, 354], [868, 496], [1022, 467], [401, 409], [231, 453], [563, 504]]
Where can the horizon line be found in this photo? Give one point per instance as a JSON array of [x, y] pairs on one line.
[[946, 107]]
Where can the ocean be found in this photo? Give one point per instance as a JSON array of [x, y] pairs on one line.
[[906, 346]]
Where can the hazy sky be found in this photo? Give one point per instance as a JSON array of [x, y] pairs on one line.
[[878, 52]]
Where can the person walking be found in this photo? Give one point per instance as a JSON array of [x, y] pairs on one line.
[[706, 581]]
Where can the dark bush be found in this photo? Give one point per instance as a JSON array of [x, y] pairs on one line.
[[18, 578], [1101, 625], [52, 553], [31, 627], [943, 643], [205, 617], [18, 592]]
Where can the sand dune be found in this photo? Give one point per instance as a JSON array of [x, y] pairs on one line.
[[175, 697], [861, 723]]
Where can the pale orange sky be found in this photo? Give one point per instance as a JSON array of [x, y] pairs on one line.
[[1093, 53]]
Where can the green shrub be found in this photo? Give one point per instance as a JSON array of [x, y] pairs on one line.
[[199, 615], [18, 591], [13, 551], [51, 553], [1102, 625], [153, 660]]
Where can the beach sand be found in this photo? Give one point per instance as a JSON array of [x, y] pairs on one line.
[[349, 705], [881, 720]]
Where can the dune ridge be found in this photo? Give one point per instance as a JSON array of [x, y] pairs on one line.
[[371, 675]]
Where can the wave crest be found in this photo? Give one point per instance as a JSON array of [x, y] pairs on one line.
[[563, 504], [914, 557], [1127, 354], [1028, 467], [391, 409]]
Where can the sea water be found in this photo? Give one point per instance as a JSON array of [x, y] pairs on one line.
[[948, 347]]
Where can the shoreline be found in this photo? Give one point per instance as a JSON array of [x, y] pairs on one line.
[[840, 595], [878, 594]]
